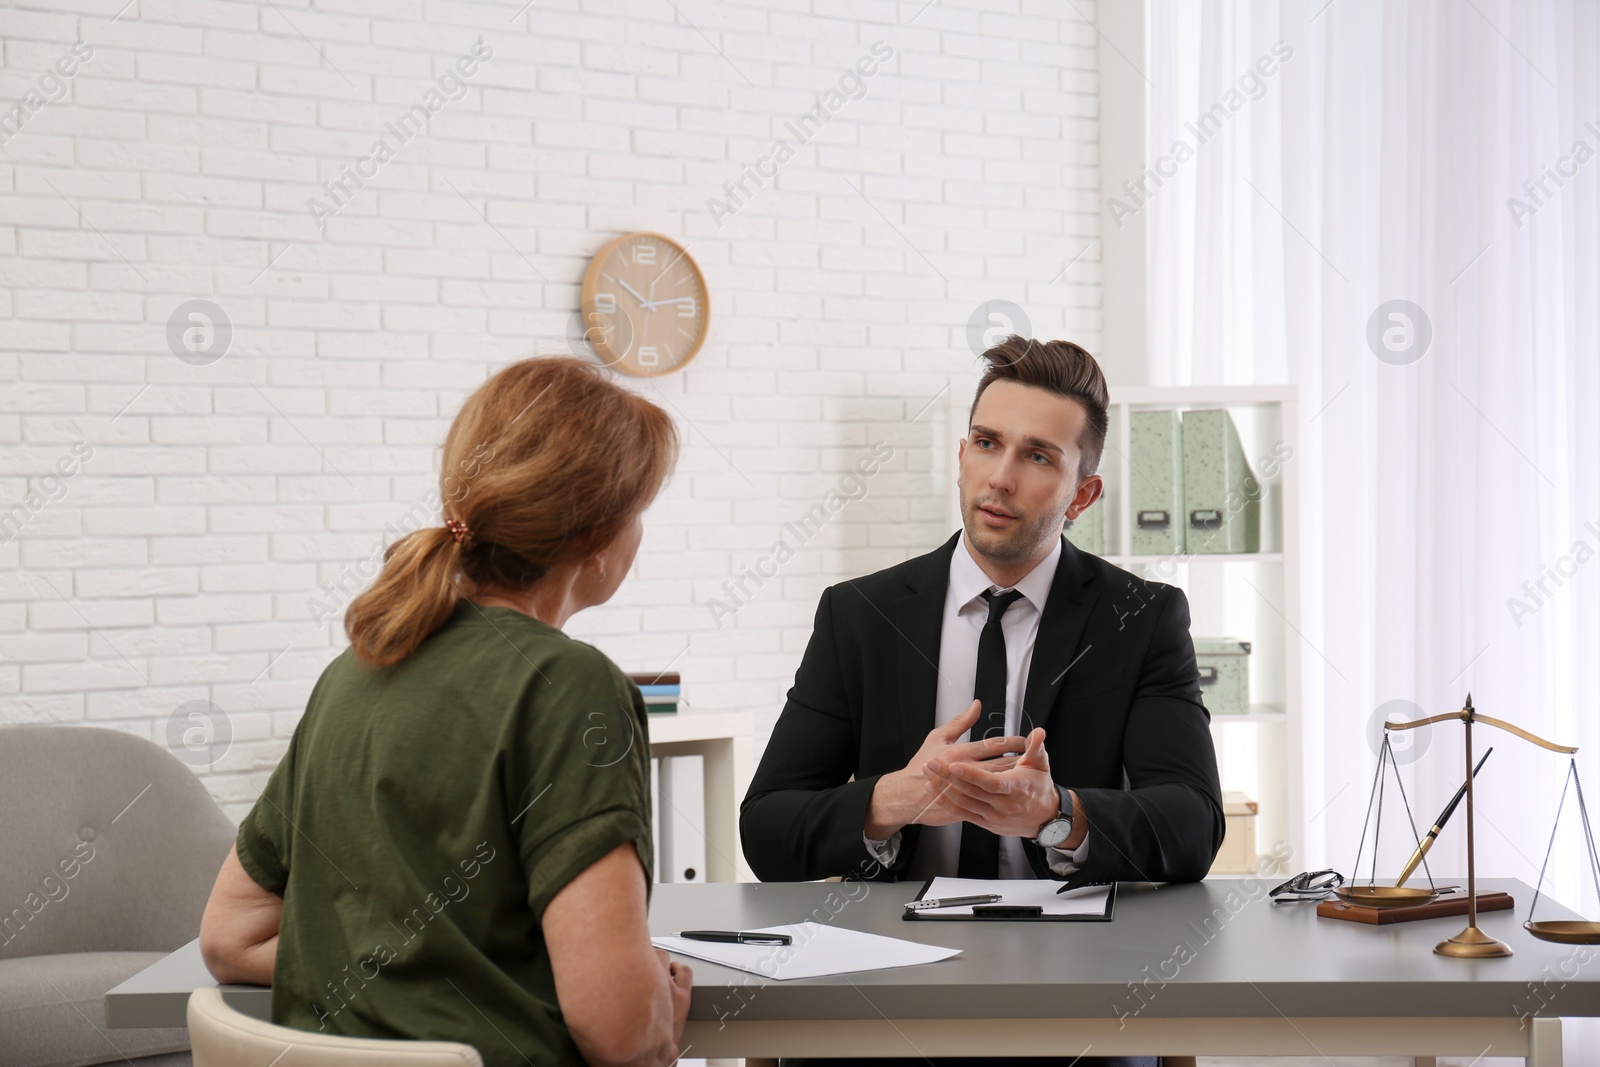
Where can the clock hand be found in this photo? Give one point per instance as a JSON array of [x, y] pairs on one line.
[[647, 305], [674, 300]]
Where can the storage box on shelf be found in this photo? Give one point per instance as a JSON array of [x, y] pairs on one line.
[[1224, 664], [1238, 853]]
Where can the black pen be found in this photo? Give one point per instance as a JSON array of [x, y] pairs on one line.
[[1444, 817], [737, 937]]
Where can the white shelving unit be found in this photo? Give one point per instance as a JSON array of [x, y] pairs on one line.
[[723, 740], [1251, 596]]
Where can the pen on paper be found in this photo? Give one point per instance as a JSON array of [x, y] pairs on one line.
[[953, 902], [737, 937]]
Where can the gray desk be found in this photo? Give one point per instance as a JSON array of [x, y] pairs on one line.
[[1184, 969]]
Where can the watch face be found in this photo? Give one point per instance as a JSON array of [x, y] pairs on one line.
[[1054, 832]]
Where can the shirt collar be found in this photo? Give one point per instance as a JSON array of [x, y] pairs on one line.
[[968, 581]]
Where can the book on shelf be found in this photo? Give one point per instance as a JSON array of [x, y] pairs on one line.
[[662, 690]]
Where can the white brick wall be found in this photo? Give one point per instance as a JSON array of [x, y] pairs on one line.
[[177, 561]]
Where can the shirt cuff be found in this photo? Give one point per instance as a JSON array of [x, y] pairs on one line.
[[1067, 861], [883, 851]]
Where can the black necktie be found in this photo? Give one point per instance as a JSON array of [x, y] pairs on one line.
[[980, 849]]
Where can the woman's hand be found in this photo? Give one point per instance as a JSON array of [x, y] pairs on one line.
[[682, 976]]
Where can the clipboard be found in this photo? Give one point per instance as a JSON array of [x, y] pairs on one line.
[[1021, 893]]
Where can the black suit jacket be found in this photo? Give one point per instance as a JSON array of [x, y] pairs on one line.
[[1113, 682]]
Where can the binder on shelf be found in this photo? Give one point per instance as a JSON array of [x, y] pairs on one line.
[[1221, 496], [1155, 454], [680, 818]]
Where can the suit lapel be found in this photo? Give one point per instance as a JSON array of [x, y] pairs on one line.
[[919, 618], [1056, 650]]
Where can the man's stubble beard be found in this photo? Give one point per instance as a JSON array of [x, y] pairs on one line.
[[1030, 536]]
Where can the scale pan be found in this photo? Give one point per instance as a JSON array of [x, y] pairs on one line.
[[1570, 932], [1384, 896]]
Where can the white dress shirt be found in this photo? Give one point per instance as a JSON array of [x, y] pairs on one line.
[[965, 612]]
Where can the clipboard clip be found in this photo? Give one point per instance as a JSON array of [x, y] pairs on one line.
[[1008, 911]]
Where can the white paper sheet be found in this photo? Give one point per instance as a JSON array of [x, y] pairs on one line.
[[1085, 900], [817, 950]]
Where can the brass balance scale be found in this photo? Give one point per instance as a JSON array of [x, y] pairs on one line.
[[1473, 943]]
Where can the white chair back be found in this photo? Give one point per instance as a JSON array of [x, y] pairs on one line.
[[223, 1037]]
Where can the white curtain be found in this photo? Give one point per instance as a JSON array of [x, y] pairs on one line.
[[1445, 154]]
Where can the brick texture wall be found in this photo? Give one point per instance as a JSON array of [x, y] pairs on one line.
[[175, 527]]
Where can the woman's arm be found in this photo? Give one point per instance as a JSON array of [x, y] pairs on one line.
[[239, 930], [623, 1000]]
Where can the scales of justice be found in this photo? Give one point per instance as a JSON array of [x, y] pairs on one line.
[[1473, 943]]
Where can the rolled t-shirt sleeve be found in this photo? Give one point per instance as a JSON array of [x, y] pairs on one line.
[[563, 855], [584, 750], [264, 839]]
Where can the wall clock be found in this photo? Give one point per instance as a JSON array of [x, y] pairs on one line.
[[644, 305]]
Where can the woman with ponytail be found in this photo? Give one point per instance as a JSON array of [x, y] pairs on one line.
[[457, 844]]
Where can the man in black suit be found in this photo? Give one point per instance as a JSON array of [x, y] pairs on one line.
[[1089, 757]]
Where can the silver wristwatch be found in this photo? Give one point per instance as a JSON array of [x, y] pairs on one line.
[[1057, 829]]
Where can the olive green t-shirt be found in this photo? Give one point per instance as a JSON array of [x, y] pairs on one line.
[[424, 816]]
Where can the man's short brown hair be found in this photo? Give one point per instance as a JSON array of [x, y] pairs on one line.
[[1059, 367]]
